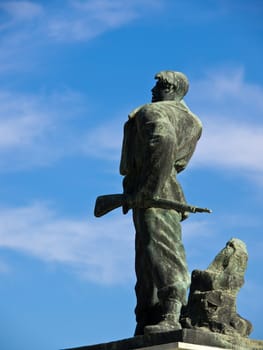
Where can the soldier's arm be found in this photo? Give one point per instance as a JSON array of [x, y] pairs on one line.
[[158, 149]]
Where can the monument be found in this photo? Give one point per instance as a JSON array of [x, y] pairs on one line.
[[159, 140]]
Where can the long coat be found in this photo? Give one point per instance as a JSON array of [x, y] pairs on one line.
[[159, 140]]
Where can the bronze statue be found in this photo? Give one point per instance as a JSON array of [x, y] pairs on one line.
[[159, 140]]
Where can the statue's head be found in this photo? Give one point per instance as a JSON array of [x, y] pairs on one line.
[[170, 86]]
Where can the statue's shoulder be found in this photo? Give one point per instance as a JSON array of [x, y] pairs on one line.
[[146, 108], [165, 109], [150, 109]]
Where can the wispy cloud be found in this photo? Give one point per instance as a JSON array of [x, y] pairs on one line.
[[227, 92], [35, 130], [84, 20], [21, 10], [20, 34], [22, 121], [38, 129], [231, 109], [27, 27], [100, 251], [231, 145], [88, 19], [104, 141]]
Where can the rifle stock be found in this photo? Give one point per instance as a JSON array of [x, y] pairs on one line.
[[105, 204]]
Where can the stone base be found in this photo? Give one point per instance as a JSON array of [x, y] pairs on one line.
[[194, 339], [180, 346]]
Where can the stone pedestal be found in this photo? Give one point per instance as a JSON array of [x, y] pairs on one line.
[[185, 339], [180, 346]]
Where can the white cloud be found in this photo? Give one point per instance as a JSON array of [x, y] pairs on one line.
[[231, 110], [89, 19], [104, 141], [227, 144], [36, 130], [21, 10], [29, 29], [21, 122], [227, 89], [116, 12], [100, 250], [86, 20]]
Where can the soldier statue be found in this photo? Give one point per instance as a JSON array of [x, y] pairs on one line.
[[159, 140]]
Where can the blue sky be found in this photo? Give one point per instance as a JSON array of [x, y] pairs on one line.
[[70, 72]]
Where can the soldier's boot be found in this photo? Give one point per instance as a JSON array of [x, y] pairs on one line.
[[170, 318], [151, 315]]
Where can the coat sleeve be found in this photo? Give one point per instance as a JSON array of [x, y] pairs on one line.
[[158, 148]]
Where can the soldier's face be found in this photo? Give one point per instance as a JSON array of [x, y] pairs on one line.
[[162, 92]]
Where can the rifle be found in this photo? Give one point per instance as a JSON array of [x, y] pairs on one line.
[[106, 203]]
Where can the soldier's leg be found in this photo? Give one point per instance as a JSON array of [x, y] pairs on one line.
[[166, 254], [146, 292]]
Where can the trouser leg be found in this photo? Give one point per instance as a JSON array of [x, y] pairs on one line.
[[166, 252], [162, 257], [147, 308]]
